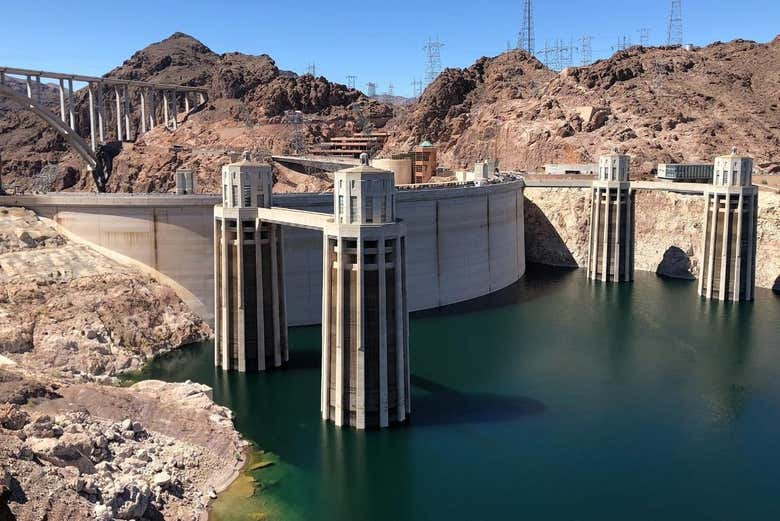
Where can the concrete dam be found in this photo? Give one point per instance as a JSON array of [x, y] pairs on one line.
[[462, 242]]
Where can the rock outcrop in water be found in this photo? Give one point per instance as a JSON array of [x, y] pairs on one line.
[[72, 444], [668, 232]]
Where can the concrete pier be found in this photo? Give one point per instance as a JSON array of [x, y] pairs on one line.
[[611, 244], [365, 347], [250, 310], [729, 239]]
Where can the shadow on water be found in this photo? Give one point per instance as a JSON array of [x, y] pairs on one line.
[[539, 281], [446, 406]]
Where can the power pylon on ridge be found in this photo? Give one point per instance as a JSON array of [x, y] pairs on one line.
[[311, 69], [525, 39], [586, 49], [623, 43], [351, 81], [432, 50], [371, 89], [559, 56], [416, 87], [674, 35], [390, 88], [644, 36]]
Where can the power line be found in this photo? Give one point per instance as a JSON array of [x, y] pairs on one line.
[[623, 43], [586, 49], [416, 87], [674, 34], [433, 59], [644, 36], [525, 39], [558, 56]]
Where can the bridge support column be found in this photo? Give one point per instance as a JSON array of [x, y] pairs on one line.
[[365, 382], [118, 114], [186, 102], [126, 96], [71, 106], [152, 115], [62, 100], [165, 108], [175, 107], [611, 245], [91, 92], [728, 269], [101, 112], [143, 111], [251, 317]]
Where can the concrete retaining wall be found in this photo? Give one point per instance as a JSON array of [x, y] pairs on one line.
[[462, 242]]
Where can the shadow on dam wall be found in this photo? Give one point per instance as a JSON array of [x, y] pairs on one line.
[[543, 243]]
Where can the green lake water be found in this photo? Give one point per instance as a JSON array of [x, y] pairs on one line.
[[558, 399]]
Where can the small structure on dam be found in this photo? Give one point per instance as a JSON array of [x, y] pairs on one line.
[[250, 315], [729, 240], [365, 332], [611, 245]]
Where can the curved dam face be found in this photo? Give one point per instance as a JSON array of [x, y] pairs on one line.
[[462, 242]]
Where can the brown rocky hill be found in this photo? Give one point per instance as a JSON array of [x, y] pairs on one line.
[[656, 104], [248, 98]]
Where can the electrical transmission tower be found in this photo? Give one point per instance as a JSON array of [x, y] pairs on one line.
[[623, 43], [371, 89], [559, 56], [586, 49], [351, 81], [674, 35], [644, 36], [297, 144], [525, 39], [390, 88], [416, 87], [433, 59], [311, 69]]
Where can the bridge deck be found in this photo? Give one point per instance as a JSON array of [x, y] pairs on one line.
[[297, 218]]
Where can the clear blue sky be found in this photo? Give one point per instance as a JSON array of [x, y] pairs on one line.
[[377, 41]]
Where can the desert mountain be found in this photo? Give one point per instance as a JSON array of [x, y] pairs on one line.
[[656, 104], [248, 99]]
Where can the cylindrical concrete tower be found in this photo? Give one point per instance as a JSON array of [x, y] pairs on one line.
[[611, 246], [250, 310], [365, 321], [728, 267]]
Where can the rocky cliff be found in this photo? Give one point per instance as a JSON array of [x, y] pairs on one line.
[[668, 232], [657, 104], [73, 445], [248, 98]]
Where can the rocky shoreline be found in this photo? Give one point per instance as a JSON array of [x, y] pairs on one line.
[[73, 443]]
